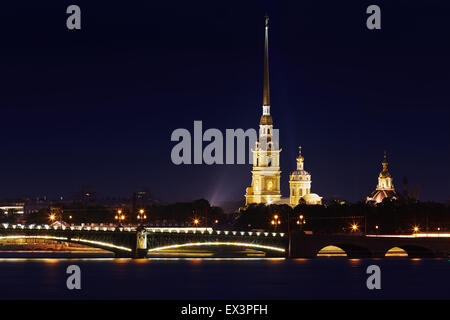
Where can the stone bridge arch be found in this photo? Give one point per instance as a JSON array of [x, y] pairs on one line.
[[414, 250], [350, 249]]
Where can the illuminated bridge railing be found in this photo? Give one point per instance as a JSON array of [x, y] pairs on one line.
[[159, 239], [210, 231], [79, 228], [191, 230]]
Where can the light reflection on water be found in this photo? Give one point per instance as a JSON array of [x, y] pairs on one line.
[[223, 278]]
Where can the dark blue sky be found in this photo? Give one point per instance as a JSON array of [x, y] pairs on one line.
[[97, 106]]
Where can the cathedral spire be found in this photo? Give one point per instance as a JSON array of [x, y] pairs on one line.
[[300, 159], [385, 162], [266, 118], [266, 94]]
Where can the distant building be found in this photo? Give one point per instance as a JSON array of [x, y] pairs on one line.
[[385, 188], [13, 208], [34, 205]]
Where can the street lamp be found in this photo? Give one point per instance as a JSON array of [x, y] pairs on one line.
[[301, 220], [119, 216], [354, 227], [276, 221], [416, 229], [141, 215]]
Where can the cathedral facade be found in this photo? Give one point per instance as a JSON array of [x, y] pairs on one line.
[[265, 185]]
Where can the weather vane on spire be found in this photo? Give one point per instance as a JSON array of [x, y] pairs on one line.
[[267, 20]]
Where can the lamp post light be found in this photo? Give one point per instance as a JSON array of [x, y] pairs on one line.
[[301, 221], [141, 216], [354, 227], [275, 222], [120, 216], [196, 222]]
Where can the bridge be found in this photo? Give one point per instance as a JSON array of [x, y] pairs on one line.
[[139, 242], [419, 245]]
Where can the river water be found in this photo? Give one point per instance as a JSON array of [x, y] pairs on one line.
[[224, 278]]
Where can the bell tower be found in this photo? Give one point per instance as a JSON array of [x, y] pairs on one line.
[[265, 186]]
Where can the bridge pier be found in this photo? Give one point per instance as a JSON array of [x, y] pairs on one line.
[[141, 243]]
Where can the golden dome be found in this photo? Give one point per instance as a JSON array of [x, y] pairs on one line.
[[385, 174]]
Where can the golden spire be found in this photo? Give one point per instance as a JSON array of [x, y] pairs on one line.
[[385, 163], [300, 159], [385, 172], [266, 94]]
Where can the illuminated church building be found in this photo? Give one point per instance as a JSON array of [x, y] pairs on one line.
[[300, 185], [385, 188], [265, 185]]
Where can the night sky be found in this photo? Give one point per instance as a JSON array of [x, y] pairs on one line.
[[96, 107]]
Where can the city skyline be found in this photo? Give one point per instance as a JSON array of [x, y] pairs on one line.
[[345, 94], [215, 159]]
